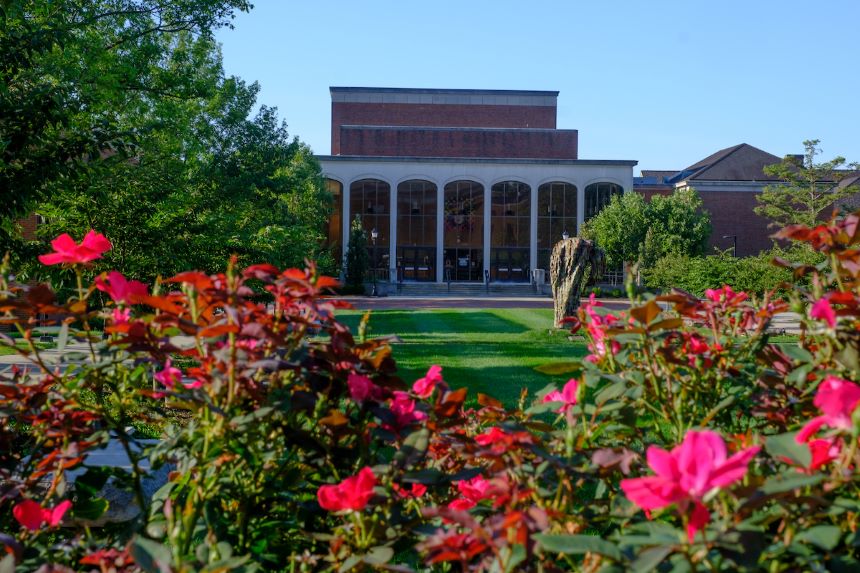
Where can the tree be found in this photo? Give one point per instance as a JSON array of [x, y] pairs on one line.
[[809, 188], [357, 258], [631, 229]]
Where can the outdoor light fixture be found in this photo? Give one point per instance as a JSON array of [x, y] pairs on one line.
[[374, 234], [565, 235]]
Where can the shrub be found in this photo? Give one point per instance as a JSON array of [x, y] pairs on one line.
[[685, 441]]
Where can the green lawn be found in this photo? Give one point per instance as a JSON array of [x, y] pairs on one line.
[[493, 351]]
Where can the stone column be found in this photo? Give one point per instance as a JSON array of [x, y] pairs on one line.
[[347, 220], [487, 210], [440, 233], [392, 236], [580, 209], [533, 218]]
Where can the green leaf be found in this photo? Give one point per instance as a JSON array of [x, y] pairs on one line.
[[559, 368], [426, 477], [90, 508], [785, 446], [825, 537], [413, 449], [648, 559], [7, 564], [378, 556], [517, 556], [151, 556], [610, 392], [578, 545], [789, 481]]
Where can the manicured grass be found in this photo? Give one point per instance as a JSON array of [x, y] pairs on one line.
[[493, 351], [6, 350]]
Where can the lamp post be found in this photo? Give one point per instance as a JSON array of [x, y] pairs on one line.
[[374, 234], [565, 235], [734, 239]]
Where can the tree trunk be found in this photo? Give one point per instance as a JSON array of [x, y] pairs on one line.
[[573, 261]]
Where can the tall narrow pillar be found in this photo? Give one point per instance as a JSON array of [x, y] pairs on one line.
[[347, 222], [580, 208], [488, 195], [440, 233], [533, 216], [392, 235]]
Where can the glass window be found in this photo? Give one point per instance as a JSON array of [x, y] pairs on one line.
[[370, 200], [557, 214], [510, 226], [463, 237], [416, 230], [598, 196], [334, 228]]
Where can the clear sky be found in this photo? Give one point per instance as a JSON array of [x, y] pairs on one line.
[[662, 82]]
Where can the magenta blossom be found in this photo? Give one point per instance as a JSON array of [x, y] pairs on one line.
[[362, 388], [597, 326], [725, 295], [821, 310], [684, 475], [567, 396], [837, 399], [424, 387], [170, 376], [405, 413], [120, 289], [66, 250]]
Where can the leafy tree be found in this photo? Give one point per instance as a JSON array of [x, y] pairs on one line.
[[809, 188], [631, 229], [357, 258]]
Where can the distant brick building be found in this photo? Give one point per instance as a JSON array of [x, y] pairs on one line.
[[461, 185], [728, 182]]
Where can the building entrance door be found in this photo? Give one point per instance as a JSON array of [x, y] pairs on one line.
[[464, 231]]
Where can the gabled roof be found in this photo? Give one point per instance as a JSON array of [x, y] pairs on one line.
[[659, 174], [741, 162]]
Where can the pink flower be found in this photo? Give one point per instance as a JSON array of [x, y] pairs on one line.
[[499, 441], [823, 452], [478, 489], [66, 250], [121, 315], [361, 388], [726, 295], [120, 289], [597, 325], [353, 493], [424, 387], [686, 474], [403, 408], [170, 376], [821, 310], [837, 399], [567, 396], [32, 515]]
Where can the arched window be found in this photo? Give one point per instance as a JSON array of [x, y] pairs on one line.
[[510, 222], [416, 230], [556, 214], [370, 199], [598, 196], [463, 238], [334, 228]]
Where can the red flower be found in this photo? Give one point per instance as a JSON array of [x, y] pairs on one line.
[[120, 289], [837, 399], [170, 376], [478, 489], [725, 295], [424, 387], [403, 408], [821, 310], [415, 490], [499, 441], [449, 546], [32, 515], [66, 250], [353, 493]]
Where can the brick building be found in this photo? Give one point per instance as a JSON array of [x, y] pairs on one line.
[[460, 185], [728, 182]]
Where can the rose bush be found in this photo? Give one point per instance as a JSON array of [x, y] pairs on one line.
[[689, 439]]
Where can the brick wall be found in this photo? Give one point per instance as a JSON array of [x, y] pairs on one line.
[[417, 142], [437, 115], [28, 227]]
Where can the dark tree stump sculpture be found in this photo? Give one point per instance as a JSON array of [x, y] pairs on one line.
[[573, 261]]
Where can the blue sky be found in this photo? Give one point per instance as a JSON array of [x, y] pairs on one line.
[[663, 82]]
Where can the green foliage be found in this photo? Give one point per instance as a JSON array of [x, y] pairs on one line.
[[181, 171], [757, 274], [630, 229], [357, 257], [809, 188]]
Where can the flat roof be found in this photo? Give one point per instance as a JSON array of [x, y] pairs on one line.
[[520, 161], [342, 89]]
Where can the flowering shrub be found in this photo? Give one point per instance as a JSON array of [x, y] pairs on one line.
[[687, 440]]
